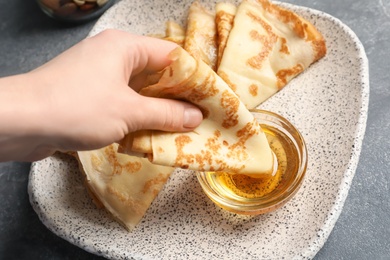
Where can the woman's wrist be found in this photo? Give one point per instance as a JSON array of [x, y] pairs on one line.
[[22, 133]]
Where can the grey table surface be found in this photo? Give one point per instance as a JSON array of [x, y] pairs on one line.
[[28, 39]]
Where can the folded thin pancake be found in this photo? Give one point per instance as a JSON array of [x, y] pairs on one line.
[[224, 18], [125, 185], [175, 33], [266, 48], [201, 41], [228, 139]]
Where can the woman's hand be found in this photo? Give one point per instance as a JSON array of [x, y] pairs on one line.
[[81, 99]]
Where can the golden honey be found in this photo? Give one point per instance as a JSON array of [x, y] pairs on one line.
[[247, 195]]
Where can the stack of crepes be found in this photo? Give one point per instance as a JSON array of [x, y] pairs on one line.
[[231, 61]]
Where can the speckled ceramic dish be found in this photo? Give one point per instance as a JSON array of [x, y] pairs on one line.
[[327, 104]]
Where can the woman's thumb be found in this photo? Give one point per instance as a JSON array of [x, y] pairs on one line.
[[169, 115]]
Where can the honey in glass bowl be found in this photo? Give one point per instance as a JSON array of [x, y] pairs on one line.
[[247, 195]]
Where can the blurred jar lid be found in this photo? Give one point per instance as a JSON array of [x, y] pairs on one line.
[[74, 11]]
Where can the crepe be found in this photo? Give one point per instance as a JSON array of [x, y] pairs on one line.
[[228, 139], [201, 41], [124, 185], [266, 48], [224, 18], [175, 33]]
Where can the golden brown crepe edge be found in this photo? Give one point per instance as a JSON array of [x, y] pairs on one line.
[[93, 194], [302, 27], [224, 20]]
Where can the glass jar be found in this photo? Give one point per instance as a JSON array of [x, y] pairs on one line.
[[74, 11], [252, 196]]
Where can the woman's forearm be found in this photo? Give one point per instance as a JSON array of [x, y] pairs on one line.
[[22, 133]]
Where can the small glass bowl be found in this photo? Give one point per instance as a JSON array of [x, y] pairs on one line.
[[74, 11], [289, 147]]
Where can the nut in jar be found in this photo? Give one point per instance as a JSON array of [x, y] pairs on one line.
[[74, 10]]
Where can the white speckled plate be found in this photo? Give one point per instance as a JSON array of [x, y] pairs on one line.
[[327, 103]]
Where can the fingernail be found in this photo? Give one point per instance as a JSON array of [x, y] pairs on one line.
[[192, 117]]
